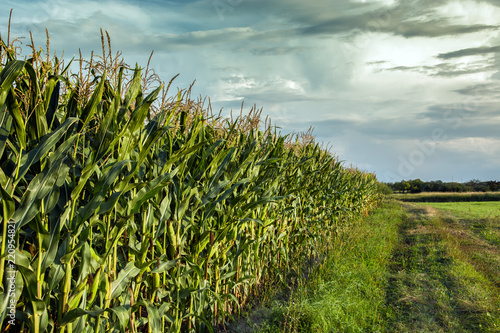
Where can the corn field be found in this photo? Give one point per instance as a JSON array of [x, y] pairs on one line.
[[128, 209]]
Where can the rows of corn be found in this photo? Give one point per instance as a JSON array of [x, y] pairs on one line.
[[136, 212]]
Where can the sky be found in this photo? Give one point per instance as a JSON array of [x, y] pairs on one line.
[[404, 89]]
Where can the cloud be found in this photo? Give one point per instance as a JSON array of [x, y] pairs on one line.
[[492, 2], [470, 52], [397, 20], [264, 90], [434, 28], [490, 90], [446, 70], [275, 50], [472, 119]]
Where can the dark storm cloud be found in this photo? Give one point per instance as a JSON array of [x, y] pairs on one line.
[[471, 109], [397, 20], [278, 50], [468, 119], [470, 52], [488, 90], [493, 2], [407, 29], [435, 28], [446, 69], [374, 63]]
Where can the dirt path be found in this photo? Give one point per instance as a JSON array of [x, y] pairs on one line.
[[444, 277]]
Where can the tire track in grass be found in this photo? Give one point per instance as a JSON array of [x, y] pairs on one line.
[[433, 287]]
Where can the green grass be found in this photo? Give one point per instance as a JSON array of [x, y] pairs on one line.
[[440, 280], [469, 210], [345, 293], [481, 218], [404, 268]]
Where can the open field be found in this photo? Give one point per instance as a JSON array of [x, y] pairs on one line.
[[405, 268], [469, 210], [480, 218], [447, 196]]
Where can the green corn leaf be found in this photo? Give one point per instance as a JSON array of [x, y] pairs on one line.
[[87, 172], [139, 114], [5, 127], [164, 266], [202, 243], [56, 271], [4, 297], [115, 235], [124, 276], [110, 203], [66, 258], [52, 101], [72, 107], [153, 315], [91, 106], [36, 123], [216, 190], [74, 314], [7, 77], [123, 316], [181, 154], [85, 264], [8, 205], [47, 143], [228, 275], [222, 167], [67, 66], [52, 247], [41, 186], [76, 298], [56, 274], [259, 202], [149, 190], [40, 309], [133, 91], [184, 204], [208, 325], [13, 107], [28, 275], [101, 189]]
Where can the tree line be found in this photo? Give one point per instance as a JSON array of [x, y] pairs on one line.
[[417, 186]]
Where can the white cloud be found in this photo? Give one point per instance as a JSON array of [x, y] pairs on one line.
[[486, 146], [470, 12]]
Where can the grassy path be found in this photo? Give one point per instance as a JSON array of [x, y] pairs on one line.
[[406, 268], [444, 277]]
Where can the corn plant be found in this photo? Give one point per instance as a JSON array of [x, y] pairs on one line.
[[134, 215]]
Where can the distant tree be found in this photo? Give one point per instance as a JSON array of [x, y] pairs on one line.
[[398, 187], [493, 185], [416, 186], [454, 187], [385, 188], [406, 186], [478, 186]]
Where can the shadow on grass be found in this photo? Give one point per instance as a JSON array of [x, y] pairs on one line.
[[422, 290]]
